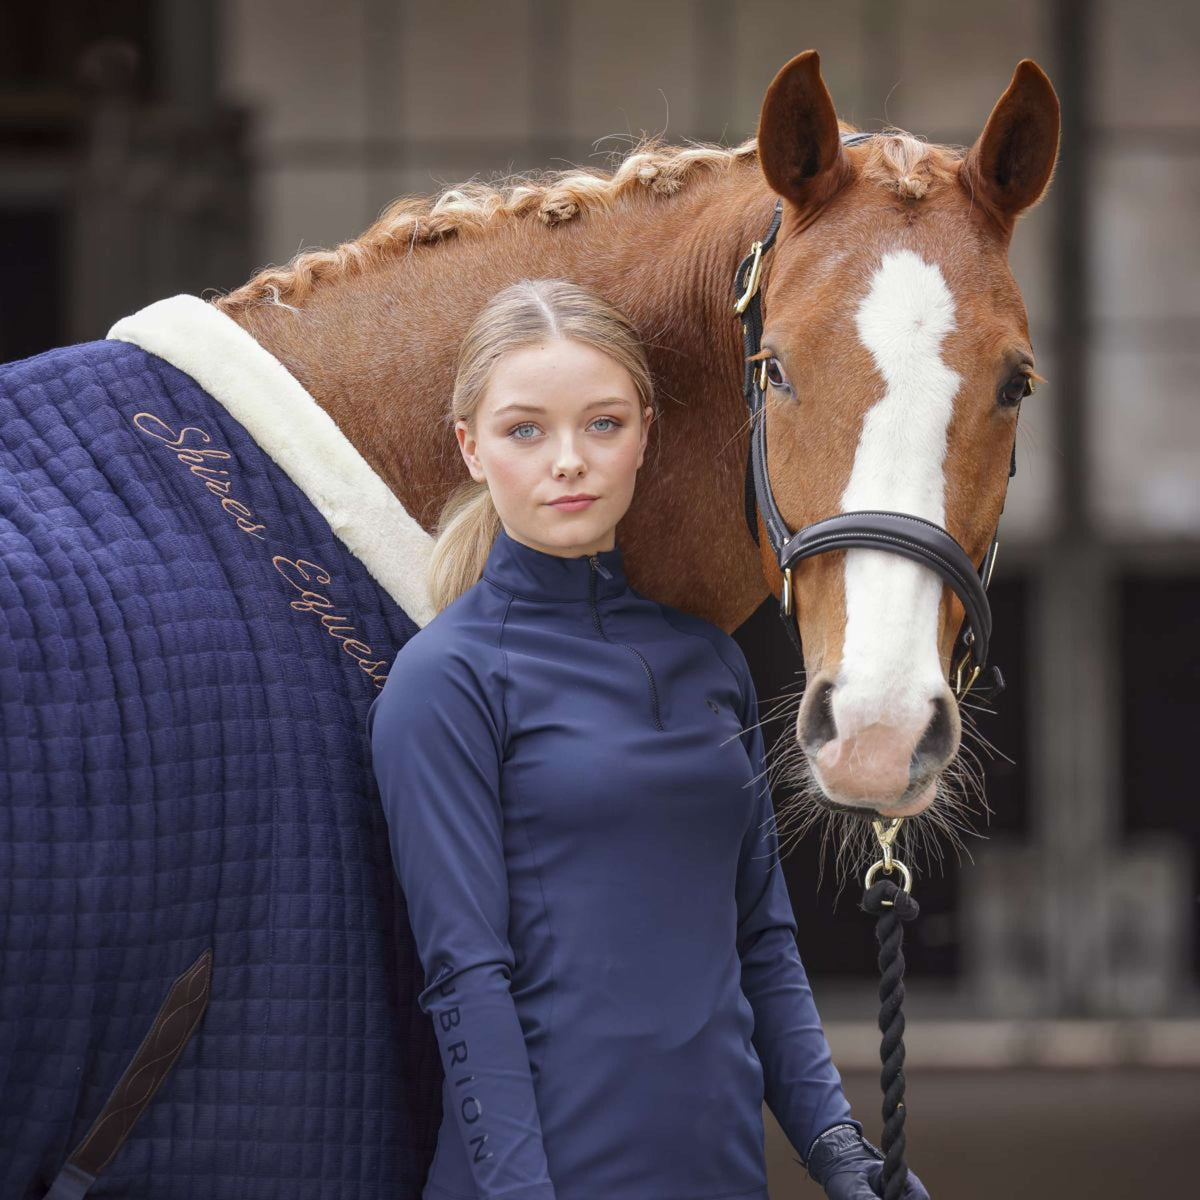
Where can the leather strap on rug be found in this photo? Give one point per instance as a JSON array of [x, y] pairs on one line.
[[174, 1025]]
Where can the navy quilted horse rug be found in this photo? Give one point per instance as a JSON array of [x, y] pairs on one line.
[[207, 979]]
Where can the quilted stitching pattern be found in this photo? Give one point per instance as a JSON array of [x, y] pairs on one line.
[[185, 765]]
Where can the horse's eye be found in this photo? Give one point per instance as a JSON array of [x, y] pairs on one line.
[[775, 375], [1015, 390]]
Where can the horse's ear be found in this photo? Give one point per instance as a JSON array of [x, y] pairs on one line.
[[1010, 163], [799, 143]]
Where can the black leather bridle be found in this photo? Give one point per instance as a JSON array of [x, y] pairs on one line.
[[901, 533]]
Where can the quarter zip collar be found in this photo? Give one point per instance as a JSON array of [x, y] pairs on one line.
[[537, 575]]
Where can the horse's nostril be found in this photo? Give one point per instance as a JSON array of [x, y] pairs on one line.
[[818, 726], [937, 742]]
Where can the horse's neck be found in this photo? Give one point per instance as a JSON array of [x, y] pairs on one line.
[[377, 352]]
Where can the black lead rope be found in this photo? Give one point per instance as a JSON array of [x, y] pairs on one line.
[[891, 906]]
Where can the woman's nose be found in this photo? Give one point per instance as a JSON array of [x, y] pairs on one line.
[[567, 458]]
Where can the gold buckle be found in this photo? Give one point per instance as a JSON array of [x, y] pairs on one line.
[[752, 281], [959, 690], [785, 599]]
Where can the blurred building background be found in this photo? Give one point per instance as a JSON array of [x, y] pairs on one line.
[[155, 146]]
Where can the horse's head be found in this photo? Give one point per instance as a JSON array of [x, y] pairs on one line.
[[898, 354]]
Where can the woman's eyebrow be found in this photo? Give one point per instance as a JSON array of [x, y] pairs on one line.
[[537, 408]]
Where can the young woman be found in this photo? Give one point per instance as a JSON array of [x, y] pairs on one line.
[[579, 817]]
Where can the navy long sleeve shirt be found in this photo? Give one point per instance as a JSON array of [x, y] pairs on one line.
[[579, 816]]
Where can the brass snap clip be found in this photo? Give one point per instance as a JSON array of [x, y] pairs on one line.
[[886, 837]]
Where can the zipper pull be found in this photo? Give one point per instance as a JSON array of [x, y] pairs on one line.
[[597, 565]]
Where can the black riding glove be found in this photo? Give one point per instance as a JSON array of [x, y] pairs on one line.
[[848, 1167]]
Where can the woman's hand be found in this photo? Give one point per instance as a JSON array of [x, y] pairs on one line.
[[848, 1167]]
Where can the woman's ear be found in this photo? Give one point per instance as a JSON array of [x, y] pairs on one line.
[[467, 448], [647, 417]]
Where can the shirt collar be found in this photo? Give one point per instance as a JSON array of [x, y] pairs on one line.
[[537, 575]]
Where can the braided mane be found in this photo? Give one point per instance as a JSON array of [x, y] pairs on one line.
[[894, 159]]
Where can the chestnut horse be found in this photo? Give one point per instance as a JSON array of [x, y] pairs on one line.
[[194, 844], [898, 354]]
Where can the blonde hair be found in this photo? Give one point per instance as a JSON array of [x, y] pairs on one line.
[[519, 315]]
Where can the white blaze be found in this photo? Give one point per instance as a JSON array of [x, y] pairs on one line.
[[890, 667]]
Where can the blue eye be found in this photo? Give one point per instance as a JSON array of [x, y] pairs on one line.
[[516, 436]]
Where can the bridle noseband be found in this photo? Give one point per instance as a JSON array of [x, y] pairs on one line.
[[901, 533]]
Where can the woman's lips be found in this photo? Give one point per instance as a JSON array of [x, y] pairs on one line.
[[571, 505]]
